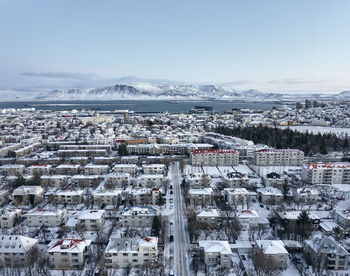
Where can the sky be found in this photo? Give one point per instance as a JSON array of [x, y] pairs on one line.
[[271, 45]]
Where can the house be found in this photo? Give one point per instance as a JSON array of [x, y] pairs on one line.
[[15, 250], [342, 217], [327, 253], [288, 217], [54, 180], [236, 196], [153, 169], [201, 196], [68, 169], [86, 181], [152, 180], [69, 196], [198, 180], [144, 196], [68, 253], [91, 219], [138, 216], [275, 251], [270, 195], [236, 180], [40, 169], [11, 169], [248, 219], [92, 169], [27, 195], [209, 216], [118, 179], [51, 218], [106, 196], [9, 217], [274, 179], [126, 168], [217, 253], [124, 252], [305, 194], [4, 197]]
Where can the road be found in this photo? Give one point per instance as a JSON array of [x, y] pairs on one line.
[[181, 236]]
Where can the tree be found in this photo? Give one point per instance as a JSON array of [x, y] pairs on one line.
[[285, 189], [263, 264], [160, 199], [122, 150], [20, 181], [36, 181], [166, 162], [338, 234], [182, 164], [304, 225], [156, 225]]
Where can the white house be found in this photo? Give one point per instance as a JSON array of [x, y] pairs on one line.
[[124, 252], [69, 196], [41, 169], [27, 195], [270, 195], [201, 196], [9, 217], [106, 196], [275, 250], [52, 218], [91, 219], [68, 253], [236, 196], [248, 219], [138, 216], [15, 250], [217, 253], [153, 168]]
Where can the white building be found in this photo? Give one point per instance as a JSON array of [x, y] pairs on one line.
[[248, 219], [41, 169], [9, 217], [15, 250], [126, 168], [27, 195], [209, 216], [275, 250], [11, 169], [217, 253], [106, 196], [54, 180], [138, 216], [279, 157], [236, 180], [51, 218], [91, 219], [327, 173], [96, 169], [68, 169], [68, 253], [236, 196], [153, 168], [214, 157], [152, 180], [270, 195], [124, 252], [69, 196], [201, 196], [306, 194]]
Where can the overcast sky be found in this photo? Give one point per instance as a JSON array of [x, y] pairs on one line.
[[270, 45]]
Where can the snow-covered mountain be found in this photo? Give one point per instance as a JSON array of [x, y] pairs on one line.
[[151, 91]]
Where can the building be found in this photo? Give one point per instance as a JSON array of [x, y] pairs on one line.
[[9, 217], [270, 195], [12, 169], [144, 196], [248, 219], [326, 253], [126, 168], [69, 196], [124, 252], [201, 196], [40, 169], [15, 250], [138, 216], [327, 173], [198, 180], [236, 196], [109, 197], [68, 253], [86, 181], [68, 169], [342, 217], [214, 157], [274, 179], [278, 157], [96, 169], [153, 169], [236, 180], [27, 195], [51, 218], [118, 179], [306, 194], [152, 180], [209, 216], [217, 253], [275, 251], [91, 219], [54, 180]]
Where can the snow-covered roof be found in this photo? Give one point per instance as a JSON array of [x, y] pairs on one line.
[[327, 245], [269, 190], [68, 245], [248, 214], [130, 244], [204, 191], [272, 247], [209, 213], [237, 191], [140, 210], [16, 243], [91, 214], [221, 247], [69, 192]]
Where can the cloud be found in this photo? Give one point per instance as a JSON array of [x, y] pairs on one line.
[[297, 81], [61, 75]]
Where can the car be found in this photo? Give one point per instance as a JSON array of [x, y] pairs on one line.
[[171, 200], [171, 187], [171, 192], [261, 205], [253, 200], [171, 238]]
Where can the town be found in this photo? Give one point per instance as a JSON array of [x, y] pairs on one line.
[[85, 192]]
